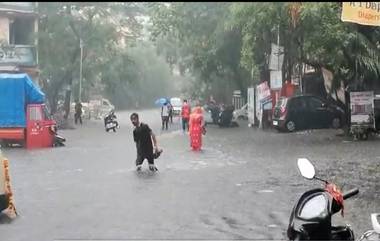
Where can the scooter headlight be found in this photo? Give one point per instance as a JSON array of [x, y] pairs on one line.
[[314, 207]]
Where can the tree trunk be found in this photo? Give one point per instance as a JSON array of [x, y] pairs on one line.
[[67, 103], [53, 102]]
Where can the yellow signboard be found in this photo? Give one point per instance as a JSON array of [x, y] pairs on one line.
[[365, 13]]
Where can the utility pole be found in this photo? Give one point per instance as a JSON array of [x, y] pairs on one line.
[[80, 69], [278, 45]]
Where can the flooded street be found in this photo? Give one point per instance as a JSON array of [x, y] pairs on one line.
[[243, 185]]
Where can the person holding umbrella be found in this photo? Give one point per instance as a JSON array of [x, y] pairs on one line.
[[165, 113]]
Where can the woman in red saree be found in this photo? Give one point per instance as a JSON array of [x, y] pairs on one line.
[[196, 128]]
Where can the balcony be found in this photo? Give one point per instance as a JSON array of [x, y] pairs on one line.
[[18, 55], [18, 7]]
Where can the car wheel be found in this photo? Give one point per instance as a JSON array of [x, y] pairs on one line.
[[335, 123], [290, 126]]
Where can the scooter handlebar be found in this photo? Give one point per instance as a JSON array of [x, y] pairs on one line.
[[350, 193]]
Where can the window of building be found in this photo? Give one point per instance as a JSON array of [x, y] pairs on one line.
[[21, 31]]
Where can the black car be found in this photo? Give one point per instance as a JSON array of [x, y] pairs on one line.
[[306, 112]]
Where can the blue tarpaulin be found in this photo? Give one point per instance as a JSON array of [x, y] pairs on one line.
[[16, 92]]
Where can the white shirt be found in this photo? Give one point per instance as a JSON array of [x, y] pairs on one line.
[[165, 110]]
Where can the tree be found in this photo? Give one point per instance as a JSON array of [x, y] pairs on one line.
[[349, 50], [101, 26], [200, 43], [311, 33]]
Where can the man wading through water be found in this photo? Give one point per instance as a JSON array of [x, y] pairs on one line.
[[143, 136]]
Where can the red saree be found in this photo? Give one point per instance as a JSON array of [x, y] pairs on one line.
[[196, 129]]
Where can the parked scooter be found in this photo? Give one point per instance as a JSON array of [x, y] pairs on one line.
[[110, 122], [215, 112], [226, 116], [311, 216]]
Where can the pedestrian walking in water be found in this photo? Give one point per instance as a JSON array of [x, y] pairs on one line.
[[146, 143], [165, 115], [78, 112], [185, 115], [196, 128]]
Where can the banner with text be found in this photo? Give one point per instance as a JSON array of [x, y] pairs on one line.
[[365, 13]]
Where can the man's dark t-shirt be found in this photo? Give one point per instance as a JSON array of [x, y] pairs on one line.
[[141, 136], [78, 108]]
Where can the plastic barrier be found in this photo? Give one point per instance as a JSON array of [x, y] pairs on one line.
[[10, 211]]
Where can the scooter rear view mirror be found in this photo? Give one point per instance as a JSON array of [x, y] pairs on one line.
[[306, 168], [375, 222]]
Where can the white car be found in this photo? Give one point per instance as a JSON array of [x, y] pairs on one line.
[[100, 108], [241, 114], [177, 105]]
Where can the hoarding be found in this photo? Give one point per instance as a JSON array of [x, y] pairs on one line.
[[362, 108]]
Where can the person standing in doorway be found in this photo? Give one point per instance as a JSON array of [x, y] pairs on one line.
[[78, 112], [197, 128], [185, 115], [165, 115], [145, 141]]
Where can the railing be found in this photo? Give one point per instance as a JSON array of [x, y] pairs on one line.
[[22, 55], [18, 6]]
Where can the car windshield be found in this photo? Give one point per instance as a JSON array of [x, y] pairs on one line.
[[175, 102]]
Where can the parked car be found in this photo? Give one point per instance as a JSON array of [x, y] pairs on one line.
[[306, 112], [99, 107], [241, 114]]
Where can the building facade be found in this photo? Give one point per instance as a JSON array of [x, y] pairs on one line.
[[18, 38]]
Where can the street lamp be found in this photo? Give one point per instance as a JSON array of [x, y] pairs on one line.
[[80, 69]]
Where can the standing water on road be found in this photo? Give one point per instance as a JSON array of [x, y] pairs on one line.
[[197, 74]]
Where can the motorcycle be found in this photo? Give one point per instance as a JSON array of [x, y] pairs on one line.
[[311, 216], [226, 117], [110, 122]]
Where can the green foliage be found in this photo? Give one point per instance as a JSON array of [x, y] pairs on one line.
[[195, 37], [227, 45], [338, 46], [101, 26], [147, 78], [217, 47]]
